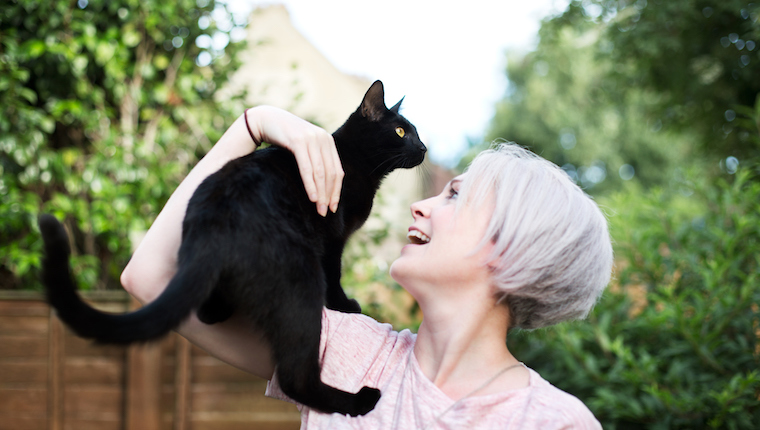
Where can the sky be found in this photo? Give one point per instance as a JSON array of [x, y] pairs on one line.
[[447, 59]]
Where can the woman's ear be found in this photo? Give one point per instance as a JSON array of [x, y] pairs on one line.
[[486, 251], [493, 262]]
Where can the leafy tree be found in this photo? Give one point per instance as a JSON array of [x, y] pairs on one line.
[[104, 105], [563, 107], [701, 57], [617, 88]]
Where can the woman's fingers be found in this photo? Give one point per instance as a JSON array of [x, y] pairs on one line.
[[315, 152], [319, 174], [320, 169], [305, 169], [333, 174], [337, 181]]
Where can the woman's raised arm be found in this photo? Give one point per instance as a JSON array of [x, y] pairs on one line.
[[154, 262]]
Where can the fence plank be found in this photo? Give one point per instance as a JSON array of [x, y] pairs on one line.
[[182, 383], [23, 370], [55, 373], [23, 347], [78, 347], [209, 369], [93, 402], [234, 398], [34, 325], [23, 423], [94, 370], [28, 400], [92, 425], [23, 308], [143, 389]]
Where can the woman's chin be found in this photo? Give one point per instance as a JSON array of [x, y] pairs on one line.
[[392, 271], [399, 271]]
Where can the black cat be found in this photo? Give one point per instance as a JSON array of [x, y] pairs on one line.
[[253, 243]]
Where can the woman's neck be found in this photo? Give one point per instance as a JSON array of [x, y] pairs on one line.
[[461, 346]]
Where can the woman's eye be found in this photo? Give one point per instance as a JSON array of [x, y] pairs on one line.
[[453, 193], [400, 131]]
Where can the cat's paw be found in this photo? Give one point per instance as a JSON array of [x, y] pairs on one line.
[[366, 399], [349, 306]]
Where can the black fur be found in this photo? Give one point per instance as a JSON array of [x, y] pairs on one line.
[[253, 243]]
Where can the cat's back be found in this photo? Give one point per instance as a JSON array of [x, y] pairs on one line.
[[263, 183], [268, 167]]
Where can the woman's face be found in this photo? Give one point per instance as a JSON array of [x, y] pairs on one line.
[[442, 242]]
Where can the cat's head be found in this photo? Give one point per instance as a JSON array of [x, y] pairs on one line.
[[382, 138]]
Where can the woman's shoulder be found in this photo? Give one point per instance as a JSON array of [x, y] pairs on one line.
[[351, 328], [360, 340], [557, 408]]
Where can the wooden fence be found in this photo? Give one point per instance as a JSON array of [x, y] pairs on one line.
[[51, 379]]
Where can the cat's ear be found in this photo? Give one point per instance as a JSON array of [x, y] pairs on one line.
[[396, 107], [373, 105]]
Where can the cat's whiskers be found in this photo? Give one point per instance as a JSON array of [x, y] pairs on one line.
[[424, 172], [390, 161]]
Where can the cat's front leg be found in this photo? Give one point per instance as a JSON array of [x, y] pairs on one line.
[[335, 297], [344, 304], [337, 300]]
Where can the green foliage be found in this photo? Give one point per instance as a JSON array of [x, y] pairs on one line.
[[702, 57], [616, 88], [103, 107], [675, 341]]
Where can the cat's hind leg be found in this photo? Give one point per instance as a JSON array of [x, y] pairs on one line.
[[296, 352], [215, 309]]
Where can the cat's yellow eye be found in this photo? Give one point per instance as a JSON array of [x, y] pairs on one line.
[[400, 131]]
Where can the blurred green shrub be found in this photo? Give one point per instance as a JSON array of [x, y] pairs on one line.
[[675, 341], [104, 106]]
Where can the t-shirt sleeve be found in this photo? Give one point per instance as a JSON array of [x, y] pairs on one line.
[[554, 409], [571, 415], [353, 352]]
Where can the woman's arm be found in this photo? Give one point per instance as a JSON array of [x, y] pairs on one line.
[[154, 262]]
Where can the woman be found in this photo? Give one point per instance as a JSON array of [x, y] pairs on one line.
[[512, 243]]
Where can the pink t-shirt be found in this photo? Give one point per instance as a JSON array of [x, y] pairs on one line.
[[356, 350]]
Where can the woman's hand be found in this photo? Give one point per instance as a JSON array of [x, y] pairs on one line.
[[313, 147]]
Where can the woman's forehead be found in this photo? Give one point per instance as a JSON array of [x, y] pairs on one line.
[[475, 192]]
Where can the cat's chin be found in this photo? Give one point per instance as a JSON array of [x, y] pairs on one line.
[[413, 162]]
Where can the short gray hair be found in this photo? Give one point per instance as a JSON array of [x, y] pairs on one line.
[[552, 255]]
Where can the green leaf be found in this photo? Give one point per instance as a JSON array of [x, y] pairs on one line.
[[28, 94], [34, 48]]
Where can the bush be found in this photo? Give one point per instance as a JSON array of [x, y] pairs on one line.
[[675, 341], [104, 106]]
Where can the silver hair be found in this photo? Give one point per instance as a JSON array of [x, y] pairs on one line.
[[552, 254]]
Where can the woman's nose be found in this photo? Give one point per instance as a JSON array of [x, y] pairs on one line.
[[420, 208]]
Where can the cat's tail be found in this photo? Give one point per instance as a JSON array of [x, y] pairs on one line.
[[186, 291]]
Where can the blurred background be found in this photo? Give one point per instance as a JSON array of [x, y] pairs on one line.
[[651, 106]]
